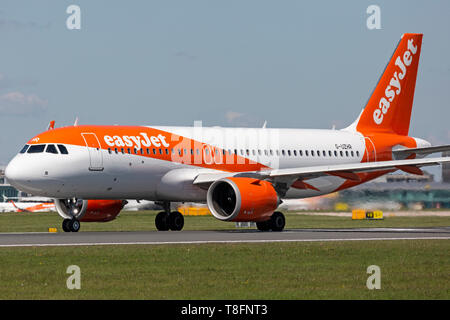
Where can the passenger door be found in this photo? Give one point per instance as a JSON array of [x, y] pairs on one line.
[[95, 153]]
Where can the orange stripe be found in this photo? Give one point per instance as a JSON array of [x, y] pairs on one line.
[[127, 137]]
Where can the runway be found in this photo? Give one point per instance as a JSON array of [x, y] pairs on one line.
[[218, 236]]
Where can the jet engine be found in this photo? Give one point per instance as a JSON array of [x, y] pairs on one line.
[[242, 199], [89, 210]]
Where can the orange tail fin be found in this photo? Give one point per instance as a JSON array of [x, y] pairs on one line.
[[389, 108]]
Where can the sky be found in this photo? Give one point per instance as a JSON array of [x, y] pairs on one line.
[[294, 64]]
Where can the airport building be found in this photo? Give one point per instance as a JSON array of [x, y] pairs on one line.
[[6, 190], [399, 191], [396, 196], [446, 169]]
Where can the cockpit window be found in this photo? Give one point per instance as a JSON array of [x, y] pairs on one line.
[[62, 148], [51, 149], [37, 148], [24, 149]]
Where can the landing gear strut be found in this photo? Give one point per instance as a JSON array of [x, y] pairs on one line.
[[166, 220], [275, 223]]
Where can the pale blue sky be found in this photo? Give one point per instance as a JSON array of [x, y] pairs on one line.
[[298, 64]]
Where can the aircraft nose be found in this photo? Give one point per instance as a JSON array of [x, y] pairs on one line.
[[13, 172], [30, 175], [20, 174]]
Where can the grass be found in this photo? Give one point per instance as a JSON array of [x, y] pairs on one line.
[[330, 270], [145, 221], [410, 269]]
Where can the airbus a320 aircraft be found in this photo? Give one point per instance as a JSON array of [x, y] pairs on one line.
[[243, 174]]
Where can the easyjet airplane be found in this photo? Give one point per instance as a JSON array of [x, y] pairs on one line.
[[243, 174]]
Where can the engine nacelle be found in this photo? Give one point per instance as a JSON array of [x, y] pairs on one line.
[[89, 210], [242, 199]]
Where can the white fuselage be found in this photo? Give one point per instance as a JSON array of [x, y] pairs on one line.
[[134, 176]]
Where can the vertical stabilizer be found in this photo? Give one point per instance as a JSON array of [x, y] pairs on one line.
[[389, 108]]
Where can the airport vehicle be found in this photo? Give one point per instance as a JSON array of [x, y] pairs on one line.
[[243, 174]]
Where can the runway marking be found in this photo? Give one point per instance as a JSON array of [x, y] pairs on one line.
[[211, 242]]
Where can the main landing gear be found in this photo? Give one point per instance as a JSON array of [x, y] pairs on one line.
[[275, 223], [166, 220]]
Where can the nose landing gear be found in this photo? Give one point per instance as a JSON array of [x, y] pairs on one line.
[[73, 210], [71, 225]]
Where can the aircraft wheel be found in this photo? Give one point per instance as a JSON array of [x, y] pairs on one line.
[[176, 221], [74, 225], [263, 225], [65, 225], [161, 221], [277, 221]]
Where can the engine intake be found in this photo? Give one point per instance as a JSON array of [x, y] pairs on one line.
[[242, 199]]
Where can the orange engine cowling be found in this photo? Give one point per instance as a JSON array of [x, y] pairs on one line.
[[89, 210], [102, 210], [242, 199]]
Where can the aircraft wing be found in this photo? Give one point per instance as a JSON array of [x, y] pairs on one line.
[[353, 168], [422, 151], [347, 171]]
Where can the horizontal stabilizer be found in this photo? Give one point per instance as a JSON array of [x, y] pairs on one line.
[[421, 151]]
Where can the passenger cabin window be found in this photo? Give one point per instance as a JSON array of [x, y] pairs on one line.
[[62, 149], [38, 148], [24, 149], [51, 149]]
